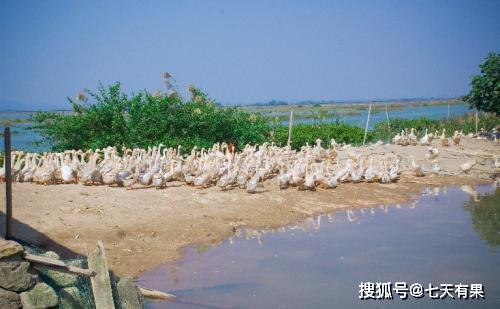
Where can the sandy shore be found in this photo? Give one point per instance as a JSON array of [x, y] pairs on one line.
[[143, 228]]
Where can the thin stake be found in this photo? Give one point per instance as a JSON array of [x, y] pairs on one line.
[[449, 109], [388, 123], [290, 128], [8, 186], [367, 122], [477, 120]]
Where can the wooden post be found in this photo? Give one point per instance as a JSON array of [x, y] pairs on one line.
[[367, 122], [477, 121], [58, 265], [8, 186], [388, 123], [153, 294], [448, 109], [290, 129], [101, 283]]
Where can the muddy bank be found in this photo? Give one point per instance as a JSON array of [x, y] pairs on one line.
[[143, 228]]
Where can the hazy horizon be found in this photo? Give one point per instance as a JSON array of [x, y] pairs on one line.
[[12, 106], [245, 53]]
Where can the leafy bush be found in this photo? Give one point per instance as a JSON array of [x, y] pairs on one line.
[[144, 120], [306, 133]]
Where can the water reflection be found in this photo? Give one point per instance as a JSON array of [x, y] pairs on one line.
[[319, 261], [486, 217]]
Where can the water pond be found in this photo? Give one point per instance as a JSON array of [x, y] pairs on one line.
[[447, 236], [408, 112]]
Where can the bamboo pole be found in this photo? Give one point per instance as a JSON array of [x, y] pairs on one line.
[[387, 116], [448, 111], [290, 129], [8, 186], [367, 122], [477, 121]]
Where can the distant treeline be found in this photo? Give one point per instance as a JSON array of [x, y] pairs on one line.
[[326, 102]]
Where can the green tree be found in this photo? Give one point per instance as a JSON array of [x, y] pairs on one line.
[[485, 91]]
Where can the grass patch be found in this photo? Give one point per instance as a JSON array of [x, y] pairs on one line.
[[467, 123], [307, 134]]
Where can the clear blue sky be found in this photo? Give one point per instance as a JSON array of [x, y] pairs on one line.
[[242, 52]]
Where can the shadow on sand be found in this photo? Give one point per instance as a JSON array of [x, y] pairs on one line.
[[25, 234]]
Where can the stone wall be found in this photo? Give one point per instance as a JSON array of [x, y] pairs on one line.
[[25, 285]]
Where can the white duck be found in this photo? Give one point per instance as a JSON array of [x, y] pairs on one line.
[[412, 137], [309, 181], [425, 139], [384, 173], [435, 167], [228, 179], [357, 173], [68, 175], [370, 172], [456, 138], [251, 185], [283, 179], [432, 153], [416, 168], [26, 174], [91, 174], [467, 166], [394, 171], [444, 139]]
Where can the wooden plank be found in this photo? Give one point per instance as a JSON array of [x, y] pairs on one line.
[[8, 186], [153, 294], [58, 265], [101, 284]]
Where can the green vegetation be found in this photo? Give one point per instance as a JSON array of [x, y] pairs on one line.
[[485, 88], [467, 123], [320, 112], [144, 120], [112, 118], [307, 133], [141, 120]]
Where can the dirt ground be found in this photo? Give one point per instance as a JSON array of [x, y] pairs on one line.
[[146, 227]]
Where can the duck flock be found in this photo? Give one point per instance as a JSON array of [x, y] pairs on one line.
[[306, 169]]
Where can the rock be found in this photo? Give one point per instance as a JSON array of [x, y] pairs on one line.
[[129, 296], [40, 296], [9, 300], [14, 276], [52, 255], [71, 298], [9, 248], [59, 278]]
